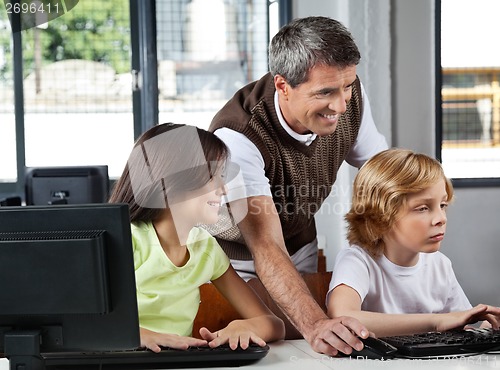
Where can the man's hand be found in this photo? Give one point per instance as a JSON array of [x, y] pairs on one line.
[[341, 334]]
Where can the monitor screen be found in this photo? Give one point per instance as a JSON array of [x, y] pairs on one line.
[[67, 281], [66, 185]]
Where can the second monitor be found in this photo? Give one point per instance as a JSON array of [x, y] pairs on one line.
[[66, 185]]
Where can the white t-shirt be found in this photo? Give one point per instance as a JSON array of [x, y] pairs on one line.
[[428, 287], [253, 180]]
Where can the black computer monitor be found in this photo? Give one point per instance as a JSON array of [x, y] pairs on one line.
[[67, 282], [66, 185]]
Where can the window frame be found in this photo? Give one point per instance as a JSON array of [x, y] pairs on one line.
[[143, 67], [16, 188], [457, 182]]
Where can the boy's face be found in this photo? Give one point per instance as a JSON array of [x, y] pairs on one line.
[[421, 227]]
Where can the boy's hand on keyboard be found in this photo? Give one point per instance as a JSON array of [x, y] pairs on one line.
[[233, 334], [460, 319], [153, 340], [491, 317]]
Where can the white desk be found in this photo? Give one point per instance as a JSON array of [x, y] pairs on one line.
[[297, 355]]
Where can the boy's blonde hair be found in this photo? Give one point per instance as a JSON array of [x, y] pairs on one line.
[[380, 193]]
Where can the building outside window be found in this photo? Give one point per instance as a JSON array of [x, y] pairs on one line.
[[207, 49], [470, 90], [77, 81]]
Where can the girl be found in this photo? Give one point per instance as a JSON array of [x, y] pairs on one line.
[[393, 277], [173, 181]]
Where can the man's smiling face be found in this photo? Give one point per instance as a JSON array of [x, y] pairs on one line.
[[316, 105]]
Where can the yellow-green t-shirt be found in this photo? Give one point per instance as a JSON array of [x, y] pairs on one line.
[[168, 296]]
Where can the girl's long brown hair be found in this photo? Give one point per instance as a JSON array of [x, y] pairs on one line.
[[160, 164]]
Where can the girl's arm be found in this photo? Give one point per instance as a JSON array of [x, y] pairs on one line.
[[259, 325], [344, 300]]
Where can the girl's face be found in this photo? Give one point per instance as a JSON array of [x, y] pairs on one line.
[[201, 205], [420, 228]]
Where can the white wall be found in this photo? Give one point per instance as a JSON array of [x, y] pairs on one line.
[[369, 22], [413, 60], [473, 242], [396, 40]]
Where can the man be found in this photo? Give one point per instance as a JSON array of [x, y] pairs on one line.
[[289, 132]]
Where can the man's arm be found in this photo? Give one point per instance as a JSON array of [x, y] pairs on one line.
[[262, 232]]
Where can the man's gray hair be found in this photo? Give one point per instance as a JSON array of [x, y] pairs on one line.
[[306, 42]]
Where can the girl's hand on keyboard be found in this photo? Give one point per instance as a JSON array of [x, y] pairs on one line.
[[154, 341], [235, 334]]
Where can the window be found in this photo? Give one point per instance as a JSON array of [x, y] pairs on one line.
[[78, 101], [8, 169], [77, 87], [202, 62], [470, 90]]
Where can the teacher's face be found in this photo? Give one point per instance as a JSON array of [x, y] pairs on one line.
[[316, 105]]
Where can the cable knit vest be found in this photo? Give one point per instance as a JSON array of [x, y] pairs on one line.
[[301, 176]]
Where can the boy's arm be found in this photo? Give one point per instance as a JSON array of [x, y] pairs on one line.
[[344, 300]]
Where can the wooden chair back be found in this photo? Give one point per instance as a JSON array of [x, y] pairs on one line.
[[216, 312]]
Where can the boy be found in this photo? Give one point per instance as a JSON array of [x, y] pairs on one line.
[[393, 271]]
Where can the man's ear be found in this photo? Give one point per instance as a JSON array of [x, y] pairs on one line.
[[281, 85]]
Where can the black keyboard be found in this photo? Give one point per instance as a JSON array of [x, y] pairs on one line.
[[450, 343], [168, 358]]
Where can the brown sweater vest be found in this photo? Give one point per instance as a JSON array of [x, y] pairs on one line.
[[301, 177]]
